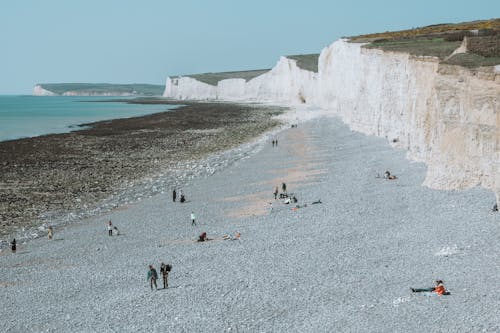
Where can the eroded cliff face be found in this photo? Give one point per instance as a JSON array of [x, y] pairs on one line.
[[39, 91], [446, 116], [285, 84]]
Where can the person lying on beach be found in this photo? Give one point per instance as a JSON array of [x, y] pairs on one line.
[[237, 236], [438, 289], [283, 195], [316, 202], [299, 206], [387, 175]]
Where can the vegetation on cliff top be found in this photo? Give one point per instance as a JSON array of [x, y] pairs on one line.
[[214, 78], [440, 40], [308, 62], [104, 88]]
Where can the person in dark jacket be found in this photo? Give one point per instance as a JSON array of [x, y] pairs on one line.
[[283, 187], [13, 245], [164, 270], [174, 195], [152, 276], [202, 237], [276, 193]]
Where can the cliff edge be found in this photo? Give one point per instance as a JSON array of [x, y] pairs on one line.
[[96, 89], [441, 106]]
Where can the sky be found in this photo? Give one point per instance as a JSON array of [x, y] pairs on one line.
[[126, 41]]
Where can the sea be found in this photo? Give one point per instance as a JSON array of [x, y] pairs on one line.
[[30, 116]]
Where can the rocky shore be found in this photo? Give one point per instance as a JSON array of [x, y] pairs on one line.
[[54, 178], [345, 265]]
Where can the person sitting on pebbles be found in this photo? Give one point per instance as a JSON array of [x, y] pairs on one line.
[[387, 175], [438, 289], [50, 232], [203, 237]]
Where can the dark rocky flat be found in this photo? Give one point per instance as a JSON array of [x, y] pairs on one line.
[[64, 172]]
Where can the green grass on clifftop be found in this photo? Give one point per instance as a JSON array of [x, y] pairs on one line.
[[214, 78], [436, 47], [308, 62], [104, 88], [482, 40]]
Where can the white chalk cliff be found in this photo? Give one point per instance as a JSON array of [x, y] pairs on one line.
[[39, 91], [284, 84], [444, 115]]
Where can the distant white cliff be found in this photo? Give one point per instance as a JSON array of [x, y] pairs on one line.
[[97, 89], [285, 83], [444, 115], [39, 91]]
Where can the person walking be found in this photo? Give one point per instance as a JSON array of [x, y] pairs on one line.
[[164, 270], [273, 143], [50, 232], [174, 195], [110, 228], [283, 187], [13, 245], [152, 276], [276, 193], [193, 219]]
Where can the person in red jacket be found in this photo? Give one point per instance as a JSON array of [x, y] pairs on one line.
[[438, 289]]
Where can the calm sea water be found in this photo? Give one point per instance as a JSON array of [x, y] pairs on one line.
[[28, 116]]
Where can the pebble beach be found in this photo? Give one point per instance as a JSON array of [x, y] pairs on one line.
[[343, 265]]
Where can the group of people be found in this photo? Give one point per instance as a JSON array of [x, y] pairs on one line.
[[182, 197], [153, 275], [204, 238], [283, 194], [13, 243]]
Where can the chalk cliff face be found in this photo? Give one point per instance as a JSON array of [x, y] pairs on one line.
[[97, 89], [446, 116], [286, 83], [39, 91]]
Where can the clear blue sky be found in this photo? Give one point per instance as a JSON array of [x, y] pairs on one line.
[[125, 41]]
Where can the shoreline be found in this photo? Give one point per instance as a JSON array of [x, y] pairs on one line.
[[33, 116], [346, 264], [58, 178]]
